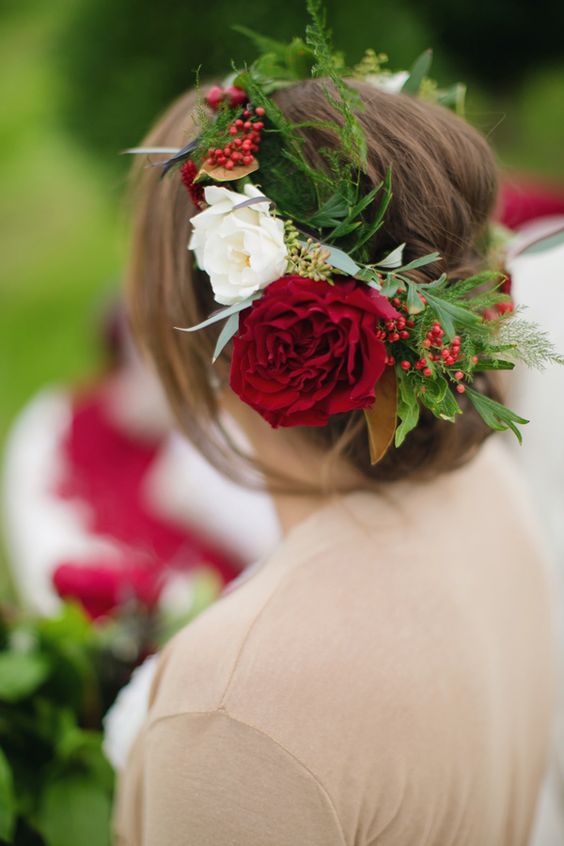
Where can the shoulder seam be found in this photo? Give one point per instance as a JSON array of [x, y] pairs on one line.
[[249, 631], [222, 711]]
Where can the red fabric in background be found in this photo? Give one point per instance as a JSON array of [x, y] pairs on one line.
[[523, 200], [106, 470]]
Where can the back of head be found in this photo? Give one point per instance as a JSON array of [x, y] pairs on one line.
[[444, 190]]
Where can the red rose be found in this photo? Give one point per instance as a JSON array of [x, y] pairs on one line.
[[309, 349]]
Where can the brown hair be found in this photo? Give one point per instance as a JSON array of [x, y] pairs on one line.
[[444, 184]]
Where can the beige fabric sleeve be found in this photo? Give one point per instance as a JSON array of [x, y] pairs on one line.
[[211, 779]]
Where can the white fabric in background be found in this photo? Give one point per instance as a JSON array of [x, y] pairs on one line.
[[184, 486], [538, 284], [41, 530]]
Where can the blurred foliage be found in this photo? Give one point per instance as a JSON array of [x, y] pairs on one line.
[[58, 223], [155, 52], [55, 782], [497, 43]]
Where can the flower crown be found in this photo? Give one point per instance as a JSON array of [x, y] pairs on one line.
[[316, 328]]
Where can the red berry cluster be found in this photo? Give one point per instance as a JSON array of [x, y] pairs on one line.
[[234, 96], [395, 330], [434, 340], [245, 140], [448, 354], [188, 173]]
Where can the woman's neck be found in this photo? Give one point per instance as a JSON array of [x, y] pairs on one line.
[[285, 453]]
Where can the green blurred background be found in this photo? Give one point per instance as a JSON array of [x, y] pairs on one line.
[[82, 79]]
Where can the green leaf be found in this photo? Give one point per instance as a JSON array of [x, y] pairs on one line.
[[494, 414], [73, 810], [21, 674], [339, 259], [420, 262], [7, 800], [436, 284], [343, 229], [230, 329], [439, 399], [419, 70], [408, 408], [220, 315], [453, 96], [393, 259], [331, 212], [391, 285], [493, 364], [447, 408], [436, 392], [415, 304], [449, 314], [385, 201]]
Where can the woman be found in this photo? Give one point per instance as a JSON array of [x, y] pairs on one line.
[[385, 676]]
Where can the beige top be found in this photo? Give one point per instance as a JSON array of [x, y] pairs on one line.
[[384, 678]]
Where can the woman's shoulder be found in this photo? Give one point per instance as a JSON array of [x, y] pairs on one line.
[[335, 603], [388, 626]]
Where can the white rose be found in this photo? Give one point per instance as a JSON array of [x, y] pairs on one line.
[[392, 83], [241, 250]]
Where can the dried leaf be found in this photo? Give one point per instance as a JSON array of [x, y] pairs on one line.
[[219, 173], [381, 417]]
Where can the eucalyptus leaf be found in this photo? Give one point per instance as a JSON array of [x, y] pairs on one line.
[[253, 201], [228, 331], [220, 315], [415, 304], [420, 262], [147, 151], [393, 259], [341, 260]]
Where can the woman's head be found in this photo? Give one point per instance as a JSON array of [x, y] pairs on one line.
[[444, 190]]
